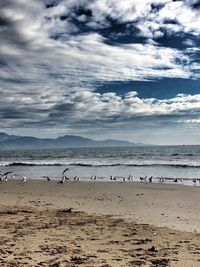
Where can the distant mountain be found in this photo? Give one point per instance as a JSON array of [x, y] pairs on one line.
[[4, 137], [11, 142]]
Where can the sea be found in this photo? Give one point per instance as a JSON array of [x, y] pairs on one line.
[[158, 161], [169, 162]]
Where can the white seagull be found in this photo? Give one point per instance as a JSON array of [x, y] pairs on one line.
[[162, 179], [130, 177], [194, 180], [4, 176], [76, 178], [62, 181]]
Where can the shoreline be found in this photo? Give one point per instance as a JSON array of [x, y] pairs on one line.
[[172, 206]]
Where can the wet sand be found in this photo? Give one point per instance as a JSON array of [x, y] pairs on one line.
[[99, 224]]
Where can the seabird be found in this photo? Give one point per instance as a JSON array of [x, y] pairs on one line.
[[76, 178], [65, 178], [62, 181], [24, 179], [162, 179], [151, 179], [48, 179], [5, 175], [175, 180], [194, 180], [130, 177], [67, 169], [141, 179]]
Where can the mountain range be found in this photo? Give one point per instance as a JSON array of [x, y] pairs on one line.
[[11, 142]]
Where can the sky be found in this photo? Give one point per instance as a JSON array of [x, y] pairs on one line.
[[126, 69]]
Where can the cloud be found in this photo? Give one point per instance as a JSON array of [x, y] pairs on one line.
[[41, 44], [91, 106], [53, 53], [84, 109]]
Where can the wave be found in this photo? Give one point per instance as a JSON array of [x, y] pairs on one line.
[[101, 164], [81, 164], [13, 164], [187, 155], [180, 165]]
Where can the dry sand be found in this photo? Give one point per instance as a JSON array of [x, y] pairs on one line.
[[110, 224]]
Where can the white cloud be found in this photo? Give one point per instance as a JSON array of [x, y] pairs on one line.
[[80, 107], [49, 66], [90, 107], [85, 57]]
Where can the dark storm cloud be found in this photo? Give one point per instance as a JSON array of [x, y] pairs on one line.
[[194, 4], [12, 113]]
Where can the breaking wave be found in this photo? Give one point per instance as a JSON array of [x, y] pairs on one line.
[[102, 164]]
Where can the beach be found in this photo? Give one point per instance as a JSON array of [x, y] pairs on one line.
[[99, 224]]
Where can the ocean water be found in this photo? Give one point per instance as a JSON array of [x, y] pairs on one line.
[[157, 161]]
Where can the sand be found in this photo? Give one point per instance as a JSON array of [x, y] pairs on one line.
[[99, 224]]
